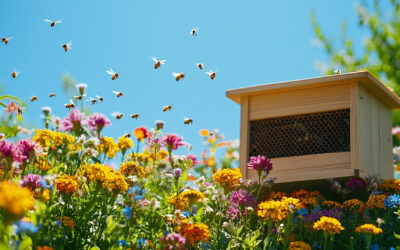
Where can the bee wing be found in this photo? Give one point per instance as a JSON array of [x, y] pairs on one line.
[[162, 61], [91, 99], [174, 74], [9, 38], [208, 72], [115, 114], [98, 97], [71, 102], [110, 72], [116, 92], [69, 43], [59, 21], [47, 20], [154, 59]]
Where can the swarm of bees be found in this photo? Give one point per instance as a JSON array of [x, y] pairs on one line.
[[67, 46], [113, 74], [5, 40]]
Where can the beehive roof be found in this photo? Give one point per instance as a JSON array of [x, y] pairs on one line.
[[374, 85]]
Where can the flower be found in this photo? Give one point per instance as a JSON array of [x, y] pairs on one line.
[[68, 222], [46, 138], [275, 210], [228, 178], [196, 232], [192, 195], [141, 133], [193, 158], [173, 241], [392, 201], [328, 224], [108, 146], [172, 142], [390, 185], [73, 122], [127, 212], [12, 107], [81, 88], [14, 199], [159, 124], [31, 181], [177, 172], [376, 201], [204, 132], [25, 225], [355, 205], [125, 143], [368, 229], [46, 110], [97, 122], [240, 203], [299, 245], [9, 152], [131, 168], [28, 148], [179, 202], [331, 204], [260, 163], [67, 184], [356, 184], [106, 176]]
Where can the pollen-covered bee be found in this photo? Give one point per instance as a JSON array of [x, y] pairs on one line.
[[15, 73], [92, 100], [158, 63], [178, 76], [113, 74], [117, 115], [52, 94], [100, 98], [200, 65], [169, 107], [127, 135], [211, 74], [193, 32], [34, 98], [19, 110], [52, 23], [135, 116], [5, 40], [67, 46], [119, 94], [69, 105], [187, 121]]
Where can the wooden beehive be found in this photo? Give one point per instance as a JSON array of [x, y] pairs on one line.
[[312, 129]]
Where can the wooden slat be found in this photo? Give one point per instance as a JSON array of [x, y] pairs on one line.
[[300, 101], [244, 136], [354, 125], [385, 169]]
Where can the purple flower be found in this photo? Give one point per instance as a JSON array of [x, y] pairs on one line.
[[97, 122], [193, 158], [318, 213], [10, 152], [31, 181], [177, 172], [173, 241], [239, 201], [172, 141], [260, 163], [73, 121], [28, 148], [356, 184]]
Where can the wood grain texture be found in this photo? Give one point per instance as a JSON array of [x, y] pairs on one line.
[[244, 136]]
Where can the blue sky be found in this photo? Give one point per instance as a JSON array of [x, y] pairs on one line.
[[246, 42]]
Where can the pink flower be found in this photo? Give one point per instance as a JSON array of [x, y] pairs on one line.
[[73, 121], [396, 130], [28, 148], [260, 163], [173, 241], [31, 181], [97, 122], [193, 158], [172, 141], [9, 153]]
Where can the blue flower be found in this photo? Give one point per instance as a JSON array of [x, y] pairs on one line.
[[138, 197], [44, 185], [26, 226], [374, 247], [141, 243], [392, 201], [121, 243], [186, 214], [302, 211], [127, 212]]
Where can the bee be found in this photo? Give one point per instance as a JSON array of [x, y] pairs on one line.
[[52, 23], [5, 40], [79, 97], [52, 94], [92, 100], [69, 105], [169, 107], [178, 76], [117, 115], [200, 65], [66, 46], [187, 121], [127, 135], [157, 63], [135, 116], [15, 73], [193, 32], [34, 98], [211, 74], [337, 72], [19, 110], [113, 74], [100, 98], [119, 94]]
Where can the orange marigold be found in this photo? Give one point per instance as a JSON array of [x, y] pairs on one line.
[[368, 229], [131, 168], [68, 222], [196, 232], [15, 200], [376, 201], [108, 146], [354, 204], [192, 196], [67, 184], [328, 224], [299, 245], [125, 143], [107, 176], [390, 185], [180, 203], [331, 204], [228, 177]]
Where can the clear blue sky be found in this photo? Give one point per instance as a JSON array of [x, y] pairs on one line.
[[247, 42]]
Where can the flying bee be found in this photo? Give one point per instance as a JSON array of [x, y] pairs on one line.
[[158, 63], [19, 110], [187, 121], [113, 74], [52, 23], [169, 107], [135, 116], [92, 100], [52, 94], [211, 74], [15, 73], [117, 115], [193, 32], [69, 105], [127, 135], [34, 98], [79, 97], [119, 94], [200, 65], [5, 40], [66, 46], [100, 98], [178, 76], [337, 72]]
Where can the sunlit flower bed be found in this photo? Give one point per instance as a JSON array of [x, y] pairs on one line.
[[70, 187]]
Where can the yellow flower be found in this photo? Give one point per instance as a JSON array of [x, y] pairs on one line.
[[228, 177], [354, 204], [274, 210], [376, 201], [131, 168], [196, 232], [277, 195], [108, 146], [390, 185], [141, 133], [180, 203], [210, 161], [125, 143], [331, 204], [163, 154], [46, 138], [299, 245], [67, 184], [106, 176], [328, 224], [291, 203], [204, 132], [15, 200], [68, 222], [368, 229], [46, 195], [192, 196], [42, 164]]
